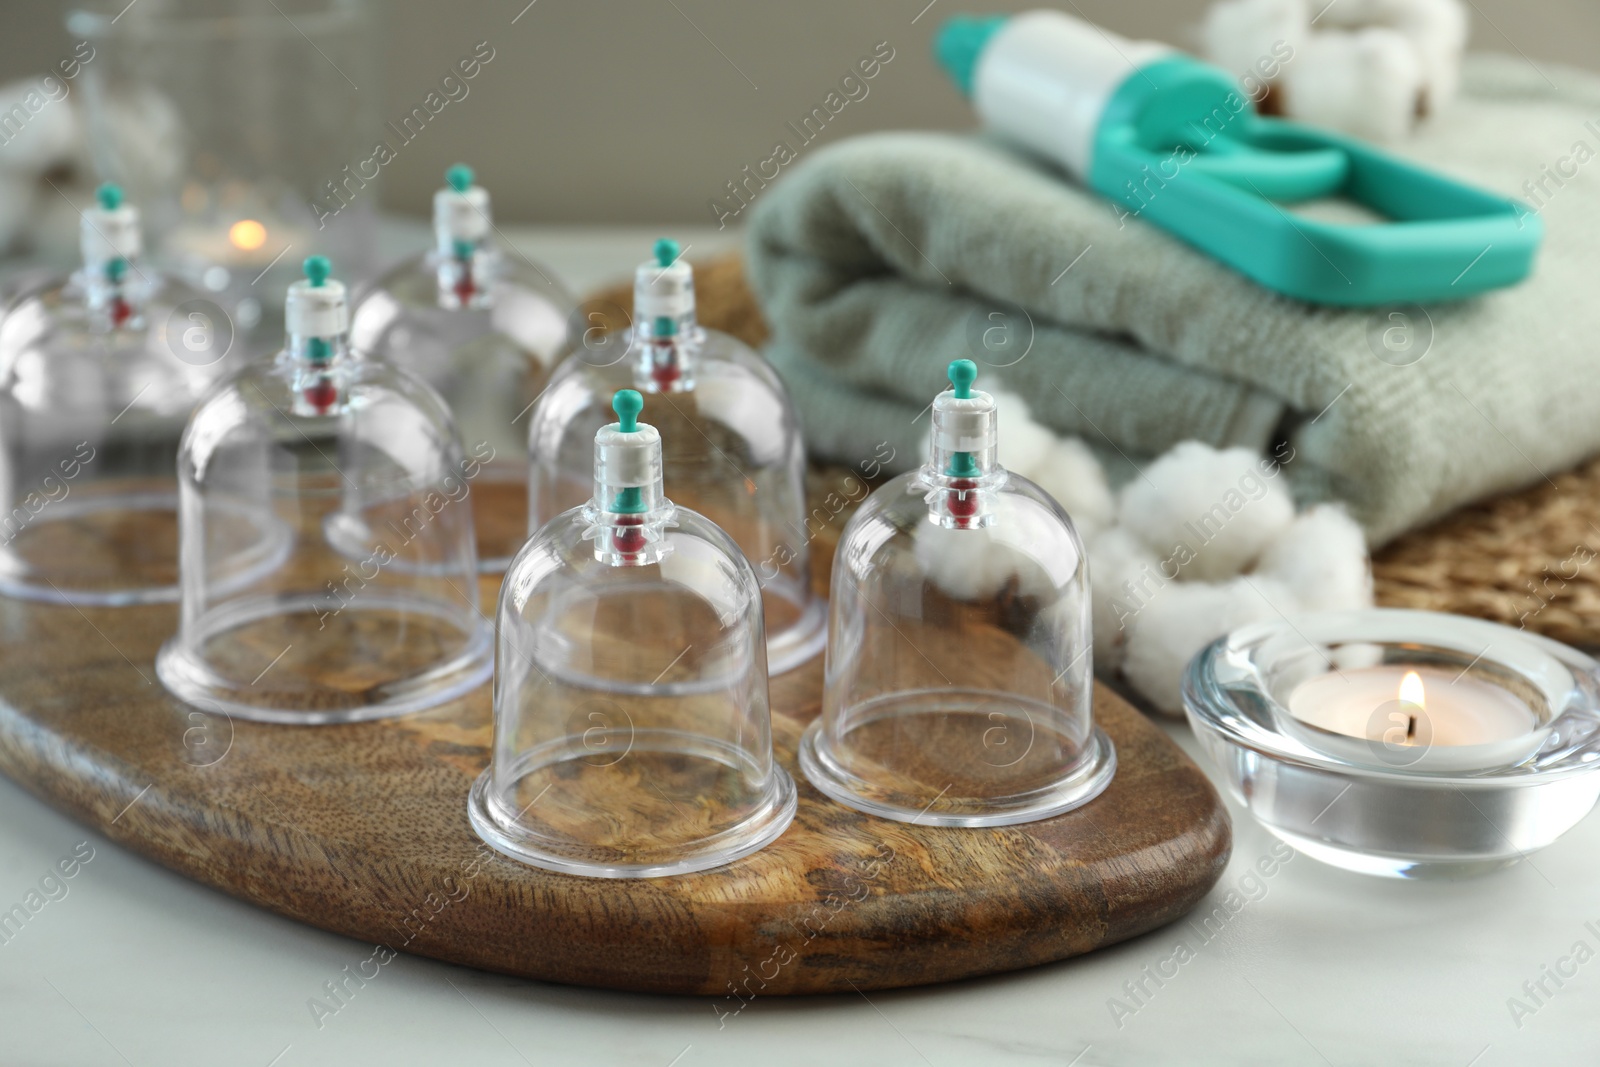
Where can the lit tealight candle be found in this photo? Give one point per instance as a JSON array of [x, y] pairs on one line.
[[244, 244], [1416, 718], [247, 234]]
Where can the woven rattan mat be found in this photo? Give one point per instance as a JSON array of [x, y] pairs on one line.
[[1530, 559]]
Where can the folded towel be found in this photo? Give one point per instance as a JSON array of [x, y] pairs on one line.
[[880, 259]]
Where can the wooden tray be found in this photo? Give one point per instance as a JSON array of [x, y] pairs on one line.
[[362, 830]]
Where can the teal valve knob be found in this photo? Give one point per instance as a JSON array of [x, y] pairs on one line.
[[627, 404], [318, 270], [667, 252], [962, 373], [460, 177], [109, 195]]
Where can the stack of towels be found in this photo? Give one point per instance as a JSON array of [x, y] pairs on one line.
[[879, 260]]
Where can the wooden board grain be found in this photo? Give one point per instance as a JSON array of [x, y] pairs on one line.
[[362, 830]]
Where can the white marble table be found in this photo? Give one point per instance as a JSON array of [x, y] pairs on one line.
[[136, 965]]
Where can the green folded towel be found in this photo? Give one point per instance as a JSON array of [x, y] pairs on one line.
[[881, 259]]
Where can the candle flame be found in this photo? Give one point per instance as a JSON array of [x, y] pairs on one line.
[[247, 234], [1411, 689]]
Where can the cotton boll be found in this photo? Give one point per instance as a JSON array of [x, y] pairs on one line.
[[1237, 34], [1183, 620], [1363, 83], [1210, 512], [978, 563], [41, 131], [1071, 474], [1061, 466], [1023, 443], [1322, 557], [1438, 31], [1117, 557], [973, 564], [1435, 29], [1367, 67], [963, 564]]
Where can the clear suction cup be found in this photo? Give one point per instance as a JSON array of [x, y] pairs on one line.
[[483, 326], [98, 373], [958, 678], [632, 732], [373, 608], [733, 447]]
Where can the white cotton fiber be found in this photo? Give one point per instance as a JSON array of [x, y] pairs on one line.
[[1185, 618], [1365, 67], [41, 132], [1061, 466], [1322, 556], [1210, 511], [1364, 82], [978, 563], [1204, 542], [964, 564], [1023, 443], [1261, 562], [1436, 30], [1071, 473], [1117, 557], [1237, 35]]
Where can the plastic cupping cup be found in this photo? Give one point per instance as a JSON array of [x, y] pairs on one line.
[[732, 441], [354, 463], [958, 679], [98, 374], [632, 734], [483, 325]]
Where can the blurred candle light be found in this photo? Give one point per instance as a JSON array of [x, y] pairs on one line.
[[247, 234]]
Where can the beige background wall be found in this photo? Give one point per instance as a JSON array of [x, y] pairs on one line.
[[641, 110]]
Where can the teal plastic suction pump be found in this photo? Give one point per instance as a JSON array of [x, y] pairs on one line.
[[959, 43], [1173, 141]]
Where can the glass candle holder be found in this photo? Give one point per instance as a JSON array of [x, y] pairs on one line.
[[1401, 743]]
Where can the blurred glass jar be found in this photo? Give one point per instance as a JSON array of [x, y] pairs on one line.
[[230, 120]]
